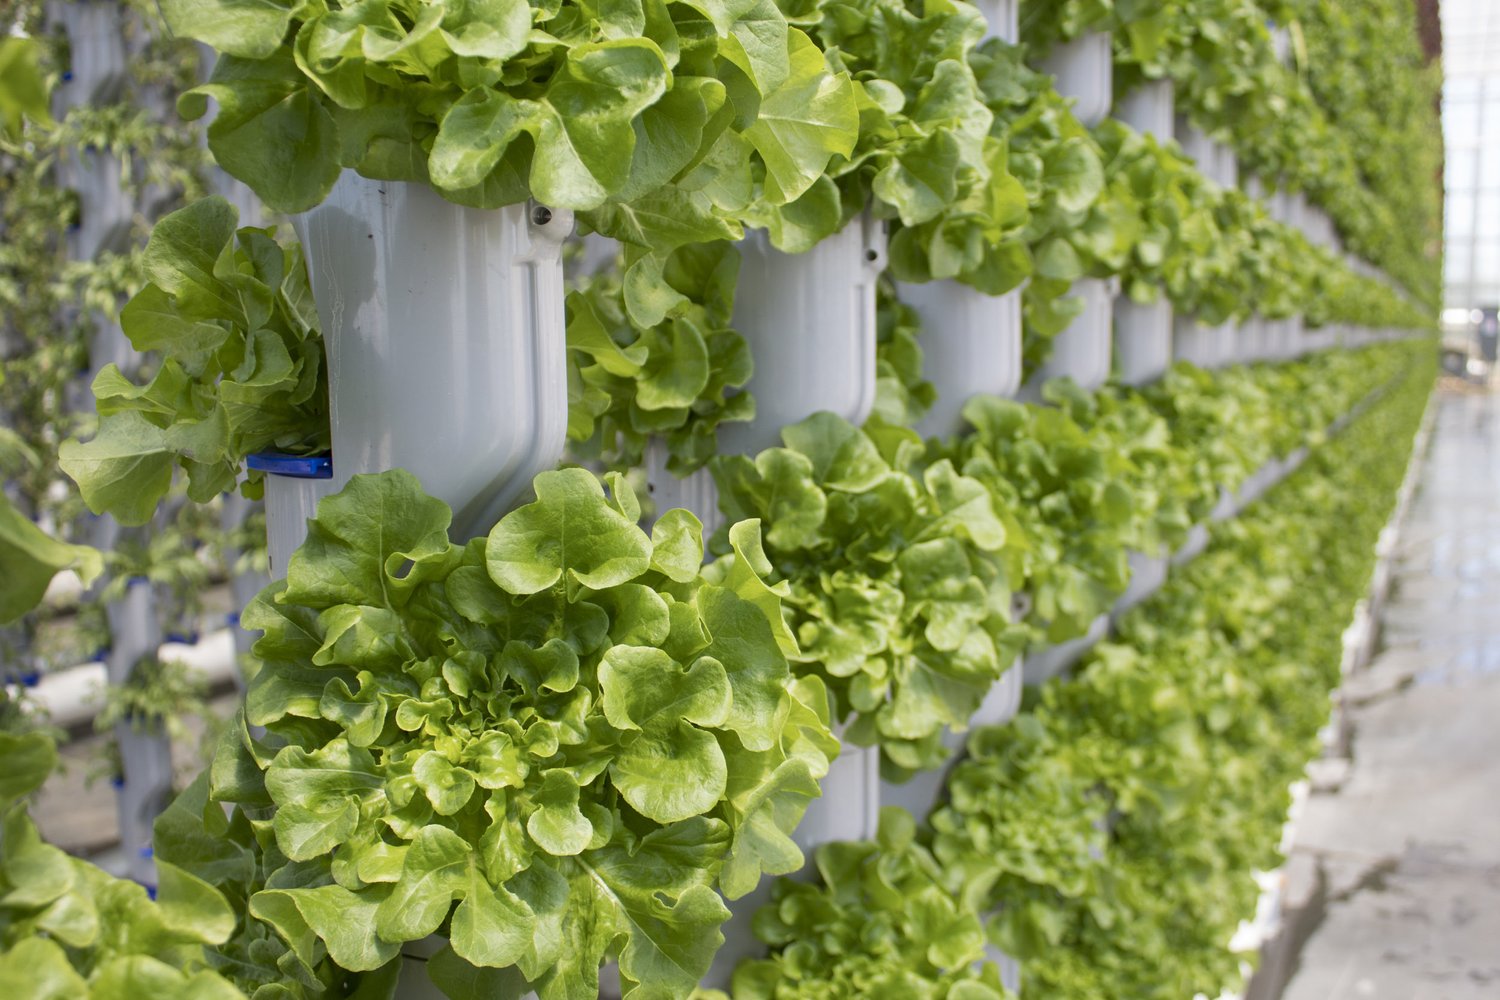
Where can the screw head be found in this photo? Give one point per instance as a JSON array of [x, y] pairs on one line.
[[541, 215]]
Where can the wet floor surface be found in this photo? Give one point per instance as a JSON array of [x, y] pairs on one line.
[[1397, 858]]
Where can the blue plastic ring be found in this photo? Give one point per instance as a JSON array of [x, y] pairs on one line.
[[294, 466]]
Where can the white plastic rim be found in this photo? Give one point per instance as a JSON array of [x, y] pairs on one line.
[[971, 345], [696, 492], [1226, 166], [1010, 968], [1004, 698], [1147, 574], [1198, 147], [1150, 109], [445, 338], [810, 322], [1204, 346], [290, 501], [1193, 546], [1084, 69], [1046, 662], [96, 38], [1143, 340], [849, 808], [1082, 351], [1002, 19]]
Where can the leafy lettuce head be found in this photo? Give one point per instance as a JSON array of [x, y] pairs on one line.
[[551, 745]]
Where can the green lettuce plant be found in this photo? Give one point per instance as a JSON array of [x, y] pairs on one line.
[[674, 380], [892, 583], [1063, 498], [553, 745], [492, 101], [32, 558], [242, 368], [1111, 833], [927, 157], [69, 930], [880, 923]]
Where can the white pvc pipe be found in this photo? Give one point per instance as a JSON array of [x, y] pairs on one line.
[[444, 331], [1142, 340], [1002, 19], [1082, 351], [810, 322], [971, 345], [1084, 68], [696, 492], [1150, 109]]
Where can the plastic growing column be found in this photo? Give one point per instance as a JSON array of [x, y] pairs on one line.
[[1085, 72], [104, 211], [810, 322], [1150, 109], [1202, 150], [1044, 663], [96, 41], [971, 344], [696, 492], [1143, 339], [1204, 346], [444, 332], [919, 793], [145, 751], [1002, 18], [1081, 352], [294, 485], [1147, 574], [243, 586]]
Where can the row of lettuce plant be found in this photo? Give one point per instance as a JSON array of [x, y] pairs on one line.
[[1109, 836], [1311, 118], [560, 743], [902, 557], [453, 743], [983, 173]]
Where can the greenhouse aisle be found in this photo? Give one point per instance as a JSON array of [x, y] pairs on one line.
[[1395, 875]]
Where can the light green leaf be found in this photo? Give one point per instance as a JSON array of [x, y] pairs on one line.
[[571, 529]]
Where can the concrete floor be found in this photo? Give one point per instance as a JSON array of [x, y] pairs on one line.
[[1394, 880]]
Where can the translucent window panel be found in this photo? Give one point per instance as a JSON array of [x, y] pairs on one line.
[[1487, 261], [1462, 88], [1489, 166], [1463, 171], [1489, 215], [1461, 120], [1490, 130], [1456, 263], [1461, 215]]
